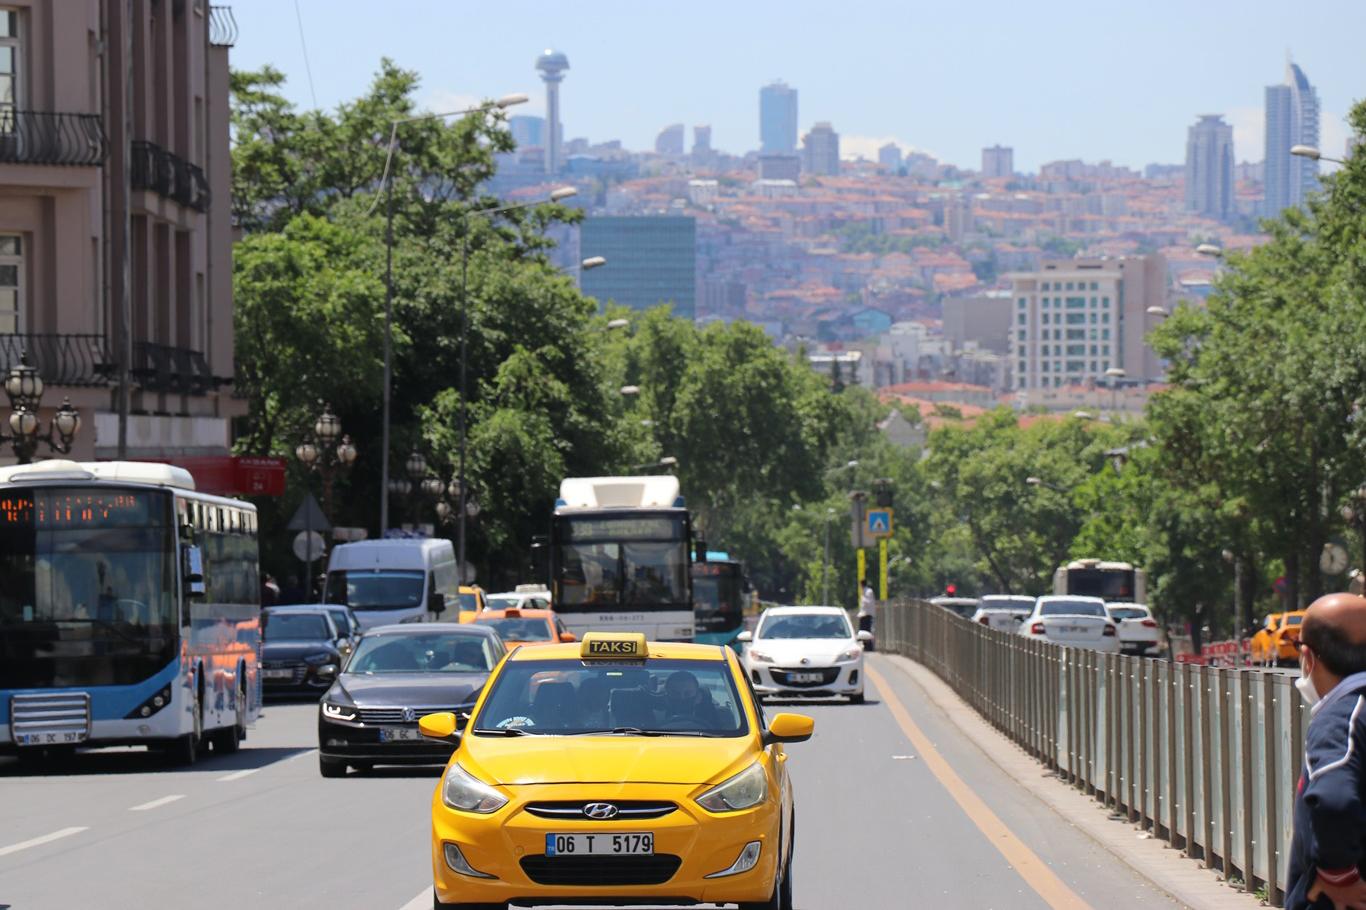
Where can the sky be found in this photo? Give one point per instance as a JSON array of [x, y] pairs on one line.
[[1054, 79]]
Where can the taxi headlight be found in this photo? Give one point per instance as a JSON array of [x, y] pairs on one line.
[[339, 712], [851, 654], [759, 657], [462, 790], [743, 791]]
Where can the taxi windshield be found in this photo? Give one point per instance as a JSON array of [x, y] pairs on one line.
[[640, 698], [513, 629]]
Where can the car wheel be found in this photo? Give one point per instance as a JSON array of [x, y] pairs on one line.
[[330, 768], [856, 699], [782, 888]]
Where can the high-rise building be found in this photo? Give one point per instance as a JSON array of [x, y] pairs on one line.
[[116, 223], [528, 131], [701, 140], [1209, 167], [670, 140], [1076, 319], [653, 261], [998, 161], [889, 156], [1292, 118], [552, 65], [778, 119], [821, 150]]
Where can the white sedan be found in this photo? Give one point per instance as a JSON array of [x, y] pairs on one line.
[[1079, 622], [805, 652], [1003, 612], [1137, 628]]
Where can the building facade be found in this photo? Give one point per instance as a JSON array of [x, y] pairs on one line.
[[115, 221], [1209, 168], [670, 140], [821, 150], [1292, 118], [998, 161], [528, 131], [889, 156], [653, 261], [778, 119], [1077, 319]]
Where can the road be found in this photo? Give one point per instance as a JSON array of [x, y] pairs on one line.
[[878, 825]]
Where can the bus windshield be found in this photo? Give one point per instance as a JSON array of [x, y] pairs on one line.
[[718, 592], [640, 561], [375, 590], [87, 586]]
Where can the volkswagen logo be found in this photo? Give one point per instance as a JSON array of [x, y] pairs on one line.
[[600, 811], [805, 661], [409, 716]]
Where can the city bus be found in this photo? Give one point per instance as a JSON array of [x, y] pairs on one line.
[[720, 592], [1113, 582], [129, 611], [620, 551]]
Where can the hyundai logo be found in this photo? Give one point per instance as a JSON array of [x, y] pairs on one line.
[[805, 661], [409, 715], [600, 811]]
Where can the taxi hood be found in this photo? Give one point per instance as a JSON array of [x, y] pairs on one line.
[[604, 759]]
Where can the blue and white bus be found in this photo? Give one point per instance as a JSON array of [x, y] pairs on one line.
[[620, 551], [719, 593], [129, 611]]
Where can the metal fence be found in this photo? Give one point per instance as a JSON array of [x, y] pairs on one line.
[[1204, 757]]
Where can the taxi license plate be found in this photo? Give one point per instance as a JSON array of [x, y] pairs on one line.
[[400, 735], [50, 739], [276, 674], [625, 844], [804, 677]]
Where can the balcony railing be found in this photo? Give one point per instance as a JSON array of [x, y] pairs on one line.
[[222, 26], [161, 368], [44, 137], [169, 175], [61, 360]]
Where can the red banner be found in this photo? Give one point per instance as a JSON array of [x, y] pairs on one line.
[[234, 475]]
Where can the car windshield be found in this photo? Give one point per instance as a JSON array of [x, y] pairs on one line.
[[375, 590], [1294, 620], [469, 601], [425, 652], [514, 629], [804, 625], [294, 627], [1127, 613], [1071, 608], [644, 698]]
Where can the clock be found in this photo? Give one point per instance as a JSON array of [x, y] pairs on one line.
[[1333, 559]]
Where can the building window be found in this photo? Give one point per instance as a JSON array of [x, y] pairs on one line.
[[1104, 334], [1044, 366], [1069, 286], [1076, 334], [1094, 352], [1093, 319], [1076, 303], [11, 282], [1022, 370], [1077, 318], [1057, 334], [1023, 334], [1022, 319], [9, 68], [1093, 366], [1105, 318], [1045, 285]]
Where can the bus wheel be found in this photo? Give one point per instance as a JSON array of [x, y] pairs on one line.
[[185, 750], [229, 739]]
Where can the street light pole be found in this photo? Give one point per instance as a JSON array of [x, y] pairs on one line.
[[825, 564]]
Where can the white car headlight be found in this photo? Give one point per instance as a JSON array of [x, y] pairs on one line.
[[758, 657], [851, 654], [743, 791], [339, 712], [462, 790]]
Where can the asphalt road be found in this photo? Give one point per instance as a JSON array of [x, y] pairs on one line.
[[877, 828]]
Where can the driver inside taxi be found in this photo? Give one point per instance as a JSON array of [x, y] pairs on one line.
[[684, 698]]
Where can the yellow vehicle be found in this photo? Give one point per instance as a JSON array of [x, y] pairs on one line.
[[471, 602], [615, 771], [1278, 641]]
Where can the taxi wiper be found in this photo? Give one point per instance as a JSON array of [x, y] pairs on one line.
[[505, 731], [640, 731]]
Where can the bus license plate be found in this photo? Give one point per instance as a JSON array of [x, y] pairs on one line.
[[50, 739], [638, 844], [400, 735]]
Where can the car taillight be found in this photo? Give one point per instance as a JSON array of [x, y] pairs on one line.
[[1109, 630], [984, 621], [1037, 629], [1150, 623]]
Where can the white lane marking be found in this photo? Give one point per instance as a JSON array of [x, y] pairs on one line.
[[157, 803], [303, 754], [421, 902], [237, 775], [39, 841]]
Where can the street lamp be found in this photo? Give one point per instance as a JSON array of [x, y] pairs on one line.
[[1209, 249], [24, 388], [387, 182], [320, 454], [593, 262], [1160, 312], [630, 391], [1115, 375], [615, 324], [1312, 153], [1354, 513]]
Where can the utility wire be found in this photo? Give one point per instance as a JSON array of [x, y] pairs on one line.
[[304, 44]]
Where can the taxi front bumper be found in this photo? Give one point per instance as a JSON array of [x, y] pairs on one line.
[[690, 844]]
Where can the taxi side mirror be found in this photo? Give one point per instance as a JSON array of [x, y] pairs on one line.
[[568, 637], [789, 728], [746, 635], [440, 726]]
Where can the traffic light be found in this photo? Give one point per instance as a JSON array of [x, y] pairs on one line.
[[882, 492], [950, 589]]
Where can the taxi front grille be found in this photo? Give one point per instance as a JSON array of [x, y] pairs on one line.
[[627, 809], [787, 677], [601, 870]]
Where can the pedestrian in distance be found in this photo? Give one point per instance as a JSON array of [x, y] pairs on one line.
[[867, 611], [1329, 846]]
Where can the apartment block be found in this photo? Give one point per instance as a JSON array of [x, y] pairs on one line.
[[1075, 320], [653, 261], [998, 161], [115, 223]]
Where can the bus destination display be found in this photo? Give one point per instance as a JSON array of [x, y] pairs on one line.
[[73, 509]]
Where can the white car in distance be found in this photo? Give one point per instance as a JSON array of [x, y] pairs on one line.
[[1137, 628], [1078, 622], [805, 652], [1003, 612]]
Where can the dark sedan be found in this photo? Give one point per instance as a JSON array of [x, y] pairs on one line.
[[398, 674], [300, 650]]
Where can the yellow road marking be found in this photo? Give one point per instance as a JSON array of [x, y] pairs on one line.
[[1033, 870]]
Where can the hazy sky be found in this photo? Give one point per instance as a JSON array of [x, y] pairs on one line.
[[1054, 79]]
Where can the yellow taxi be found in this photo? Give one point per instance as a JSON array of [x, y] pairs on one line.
[[1278, 641], [524, 627], [471, 599], [615, 771]]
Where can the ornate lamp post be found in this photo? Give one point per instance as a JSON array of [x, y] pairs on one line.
[[325, 454], [24, 388], [1354, 513]]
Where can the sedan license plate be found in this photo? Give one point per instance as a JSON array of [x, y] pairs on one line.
[[805, 677], [625, 844], [50, 739], [276, 674], [400, 735]]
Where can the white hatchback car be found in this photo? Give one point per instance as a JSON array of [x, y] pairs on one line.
[[1137, 628], [805, 652], [1079, 622]]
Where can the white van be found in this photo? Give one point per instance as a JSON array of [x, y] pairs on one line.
[[387, 581]]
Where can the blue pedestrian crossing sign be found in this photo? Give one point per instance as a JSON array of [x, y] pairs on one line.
[[880, 522]]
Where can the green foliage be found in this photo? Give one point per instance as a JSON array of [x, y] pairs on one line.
[[863, 237]]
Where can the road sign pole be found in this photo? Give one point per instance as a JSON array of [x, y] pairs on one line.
[[882, 568], [862, 569]]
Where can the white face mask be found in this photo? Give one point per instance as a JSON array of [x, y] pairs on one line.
[[1305, 685]]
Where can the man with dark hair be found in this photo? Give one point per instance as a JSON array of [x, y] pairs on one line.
[[1329, 849]]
